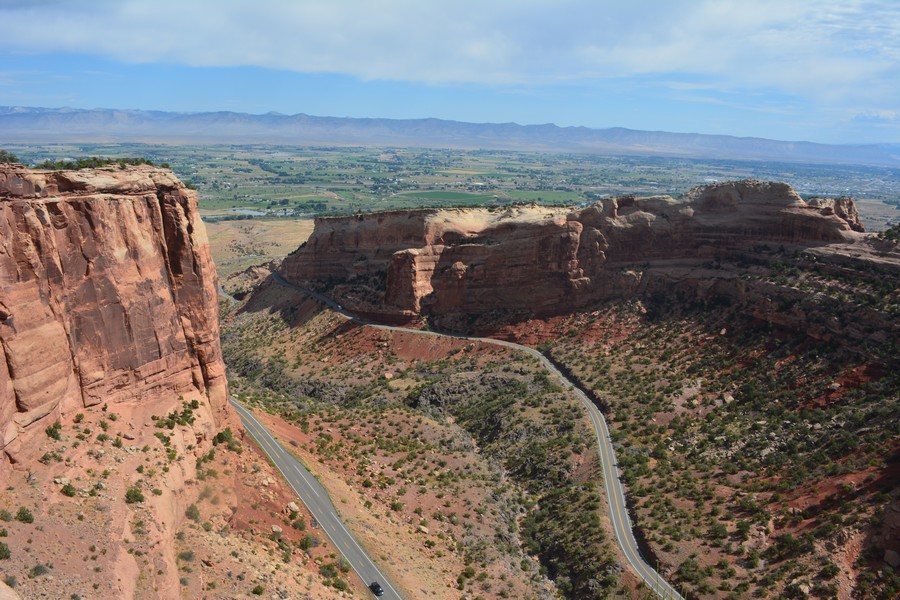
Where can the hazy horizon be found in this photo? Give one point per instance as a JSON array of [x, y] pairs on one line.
[[826, 72]]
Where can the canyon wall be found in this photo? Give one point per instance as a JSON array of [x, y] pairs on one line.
[[108, 294], [465, 262]]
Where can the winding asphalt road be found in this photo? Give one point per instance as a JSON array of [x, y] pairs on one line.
[[618, 512], [316, 499]]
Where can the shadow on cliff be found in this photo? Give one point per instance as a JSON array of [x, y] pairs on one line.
[[295, 308]]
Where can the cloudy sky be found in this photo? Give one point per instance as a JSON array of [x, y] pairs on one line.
[[815, 70]]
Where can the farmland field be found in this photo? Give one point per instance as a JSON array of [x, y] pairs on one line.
[[260, 181]]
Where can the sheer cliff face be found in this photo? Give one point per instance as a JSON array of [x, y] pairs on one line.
[[107, 294], [471, 261]]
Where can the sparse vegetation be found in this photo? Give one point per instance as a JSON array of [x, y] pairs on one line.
[[184, 417], [718, 420], [715, 437], [523, 424]]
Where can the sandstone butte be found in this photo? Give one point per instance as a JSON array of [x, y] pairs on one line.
[[454, 264], [108, 294]]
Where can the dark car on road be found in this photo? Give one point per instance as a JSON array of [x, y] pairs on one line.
[[376, 588]]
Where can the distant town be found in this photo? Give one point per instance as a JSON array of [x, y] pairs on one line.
[[237, 181]]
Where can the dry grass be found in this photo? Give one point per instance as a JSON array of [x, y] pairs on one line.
[[236, 245]]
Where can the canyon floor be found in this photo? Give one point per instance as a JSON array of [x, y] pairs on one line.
[[438, 506], [759, 461]]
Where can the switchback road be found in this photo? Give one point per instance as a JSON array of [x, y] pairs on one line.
[[618, 512], [316, 499]]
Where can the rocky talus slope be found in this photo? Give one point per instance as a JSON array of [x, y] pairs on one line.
[[107, 295], [454, 265]]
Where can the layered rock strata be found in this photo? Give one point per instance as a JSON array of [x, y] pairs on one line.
[[107, 295], [543, 260]]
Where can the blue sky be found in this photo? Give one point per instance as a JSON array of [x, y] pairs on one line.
[[784, 69]]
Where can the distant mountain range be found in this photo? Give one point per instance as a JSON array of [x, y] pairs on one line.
[[47, 125]]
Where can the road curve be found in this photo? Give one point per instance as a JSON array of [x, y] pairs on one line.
[[615, 492], [316, 499]]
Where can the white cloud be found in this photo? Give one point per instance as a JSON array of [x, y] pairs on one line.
[[846, 51], [884, 117]]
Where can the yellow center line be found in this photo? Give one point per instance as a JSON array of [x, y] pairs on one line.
[[610, 473]]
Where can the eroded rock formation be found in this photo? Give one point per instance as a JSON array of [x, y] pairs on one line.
[[107, 294], [527, 258]]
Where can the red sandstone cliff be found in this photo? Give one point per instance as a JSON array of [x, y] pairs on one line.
[[107, 294], [540, 259]]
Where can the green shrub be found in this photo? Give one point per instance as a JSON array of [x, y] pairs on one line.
[[340, 584], [133, 495], [192, 512], [49, 457], [4, 551], [307, 542], [829, 571], [68, 490], [226, 437], [53, 430], [37, 570], [23, 515], [328, 571], [258, 590]]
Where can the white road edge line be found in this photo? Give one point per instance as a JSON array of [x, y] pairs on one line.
[[255, 422]]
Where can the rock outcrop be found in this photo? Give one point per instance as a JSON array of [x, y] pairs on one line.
[[538, 259], [108, 294]]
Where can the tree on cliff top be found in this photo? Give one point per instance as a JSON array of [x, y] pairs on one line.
[[8, 157], [94, 162]]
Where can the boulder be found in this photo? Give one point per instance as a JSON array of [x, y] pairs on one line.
[[892, 558]]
